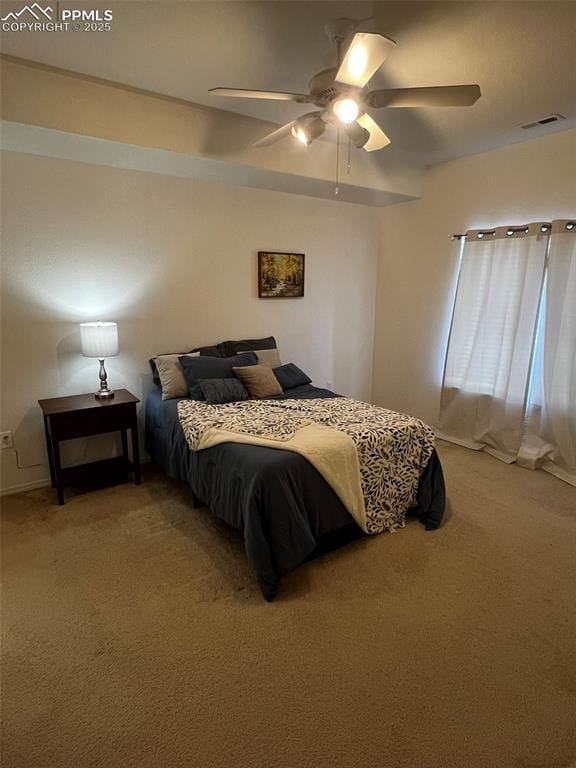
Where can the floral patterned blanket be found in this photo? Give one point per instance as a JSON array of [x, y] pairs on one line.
[[392, 448]]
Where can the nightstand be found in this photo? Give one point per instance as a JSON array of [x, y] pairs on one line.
[[67, 418]]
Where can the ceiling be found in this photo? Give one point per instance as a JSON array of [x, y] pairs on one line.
[[521, 53]]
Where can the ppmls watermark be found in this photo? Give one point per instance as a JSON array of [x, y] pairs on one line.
[[43, 18]]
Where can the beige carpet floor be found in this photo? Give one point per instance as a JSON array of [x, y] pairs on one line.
[[135, 635]]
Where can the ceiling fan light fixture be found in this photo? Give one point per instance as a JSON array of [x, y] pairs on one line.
[[340, 96], [358, 135], [346, 110], [306, 130]]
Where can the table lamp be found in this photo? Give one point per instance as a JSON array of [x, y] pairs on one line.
[[100, 340]]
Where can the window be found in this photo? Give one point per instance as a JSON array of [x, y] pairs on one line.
[[510, 375]]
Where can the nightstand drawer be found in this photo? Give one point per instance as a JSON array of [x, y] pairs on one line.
[[95, 421]]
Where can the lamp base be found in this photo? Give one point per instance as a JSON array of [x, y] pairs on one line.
[[104, 394]]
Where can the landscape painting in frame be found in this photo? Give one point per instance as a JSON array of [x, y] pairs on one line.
[[280, 275]]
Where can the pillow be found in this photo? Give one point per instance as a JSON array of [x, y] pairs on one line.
[[291, 376], [269, 357], [204, 367], [259, 380], [219, 391], [171, 376], [154, 367], [229, 348], [211, 351]]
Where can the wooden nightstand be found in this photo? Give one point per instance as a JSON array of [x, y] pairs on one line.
[[66, 418]]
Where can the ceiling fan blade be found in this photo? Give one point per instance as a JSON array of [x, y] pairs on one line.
[[366, 53], [378, 139], [436, 96], [272, 138], [243, 93]]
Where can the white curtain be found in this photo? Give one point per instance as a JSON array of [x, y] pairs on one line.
[[492, 338], [550, 430]]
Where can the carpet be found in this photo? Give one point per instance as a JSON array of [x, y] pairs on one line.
[[134, 635]]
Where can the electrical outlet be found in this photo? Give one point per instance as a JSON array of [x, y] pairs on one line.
[[6, 440]]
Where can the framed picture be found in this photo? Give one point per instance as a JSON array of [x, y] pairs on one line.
[[280, 275]]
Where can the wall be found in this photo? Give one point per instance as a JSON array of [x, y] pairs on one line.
[[214, 141], [532, 181], [173, 261]]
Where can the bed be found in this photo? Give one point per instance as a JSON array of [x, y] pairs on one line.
[[284, 506]]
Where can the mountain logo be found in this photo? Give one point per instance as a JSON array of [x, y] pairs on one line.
[[39, 13]]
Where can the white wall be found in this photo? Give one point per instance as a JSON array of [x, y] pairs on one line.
[[173, 261], [532, 181]]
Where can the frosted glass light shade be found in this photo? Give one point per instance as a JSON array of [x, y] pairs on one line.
[[99, 339]]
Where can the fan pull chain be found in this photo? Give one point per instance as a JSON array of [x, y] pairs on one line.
[[349, 144], [337, 188]]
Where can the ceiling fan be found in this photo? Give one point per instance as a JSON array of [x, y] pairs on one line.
[[341, 95]]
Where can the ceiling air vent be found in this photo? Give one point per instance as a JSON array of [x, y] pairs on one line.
[[546, 120]]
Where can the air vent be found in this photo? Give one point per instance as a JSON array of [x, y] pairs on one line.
[[546, 120]]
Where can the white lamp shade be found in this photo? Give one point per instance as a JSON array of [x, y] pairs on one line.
[[99, 339]]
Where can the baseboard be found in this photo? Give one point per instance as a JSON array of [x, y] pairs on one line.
[[12, 489], [24, 487]]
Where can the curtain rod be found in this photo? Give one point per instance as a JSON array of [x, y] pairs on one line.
[[509, 231]]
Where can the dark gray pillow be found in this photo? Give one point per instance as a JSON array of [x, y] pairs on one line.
[[290, 376], [211, 351], [229, 348], [197, 368], [219, 391], [195, 393]]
